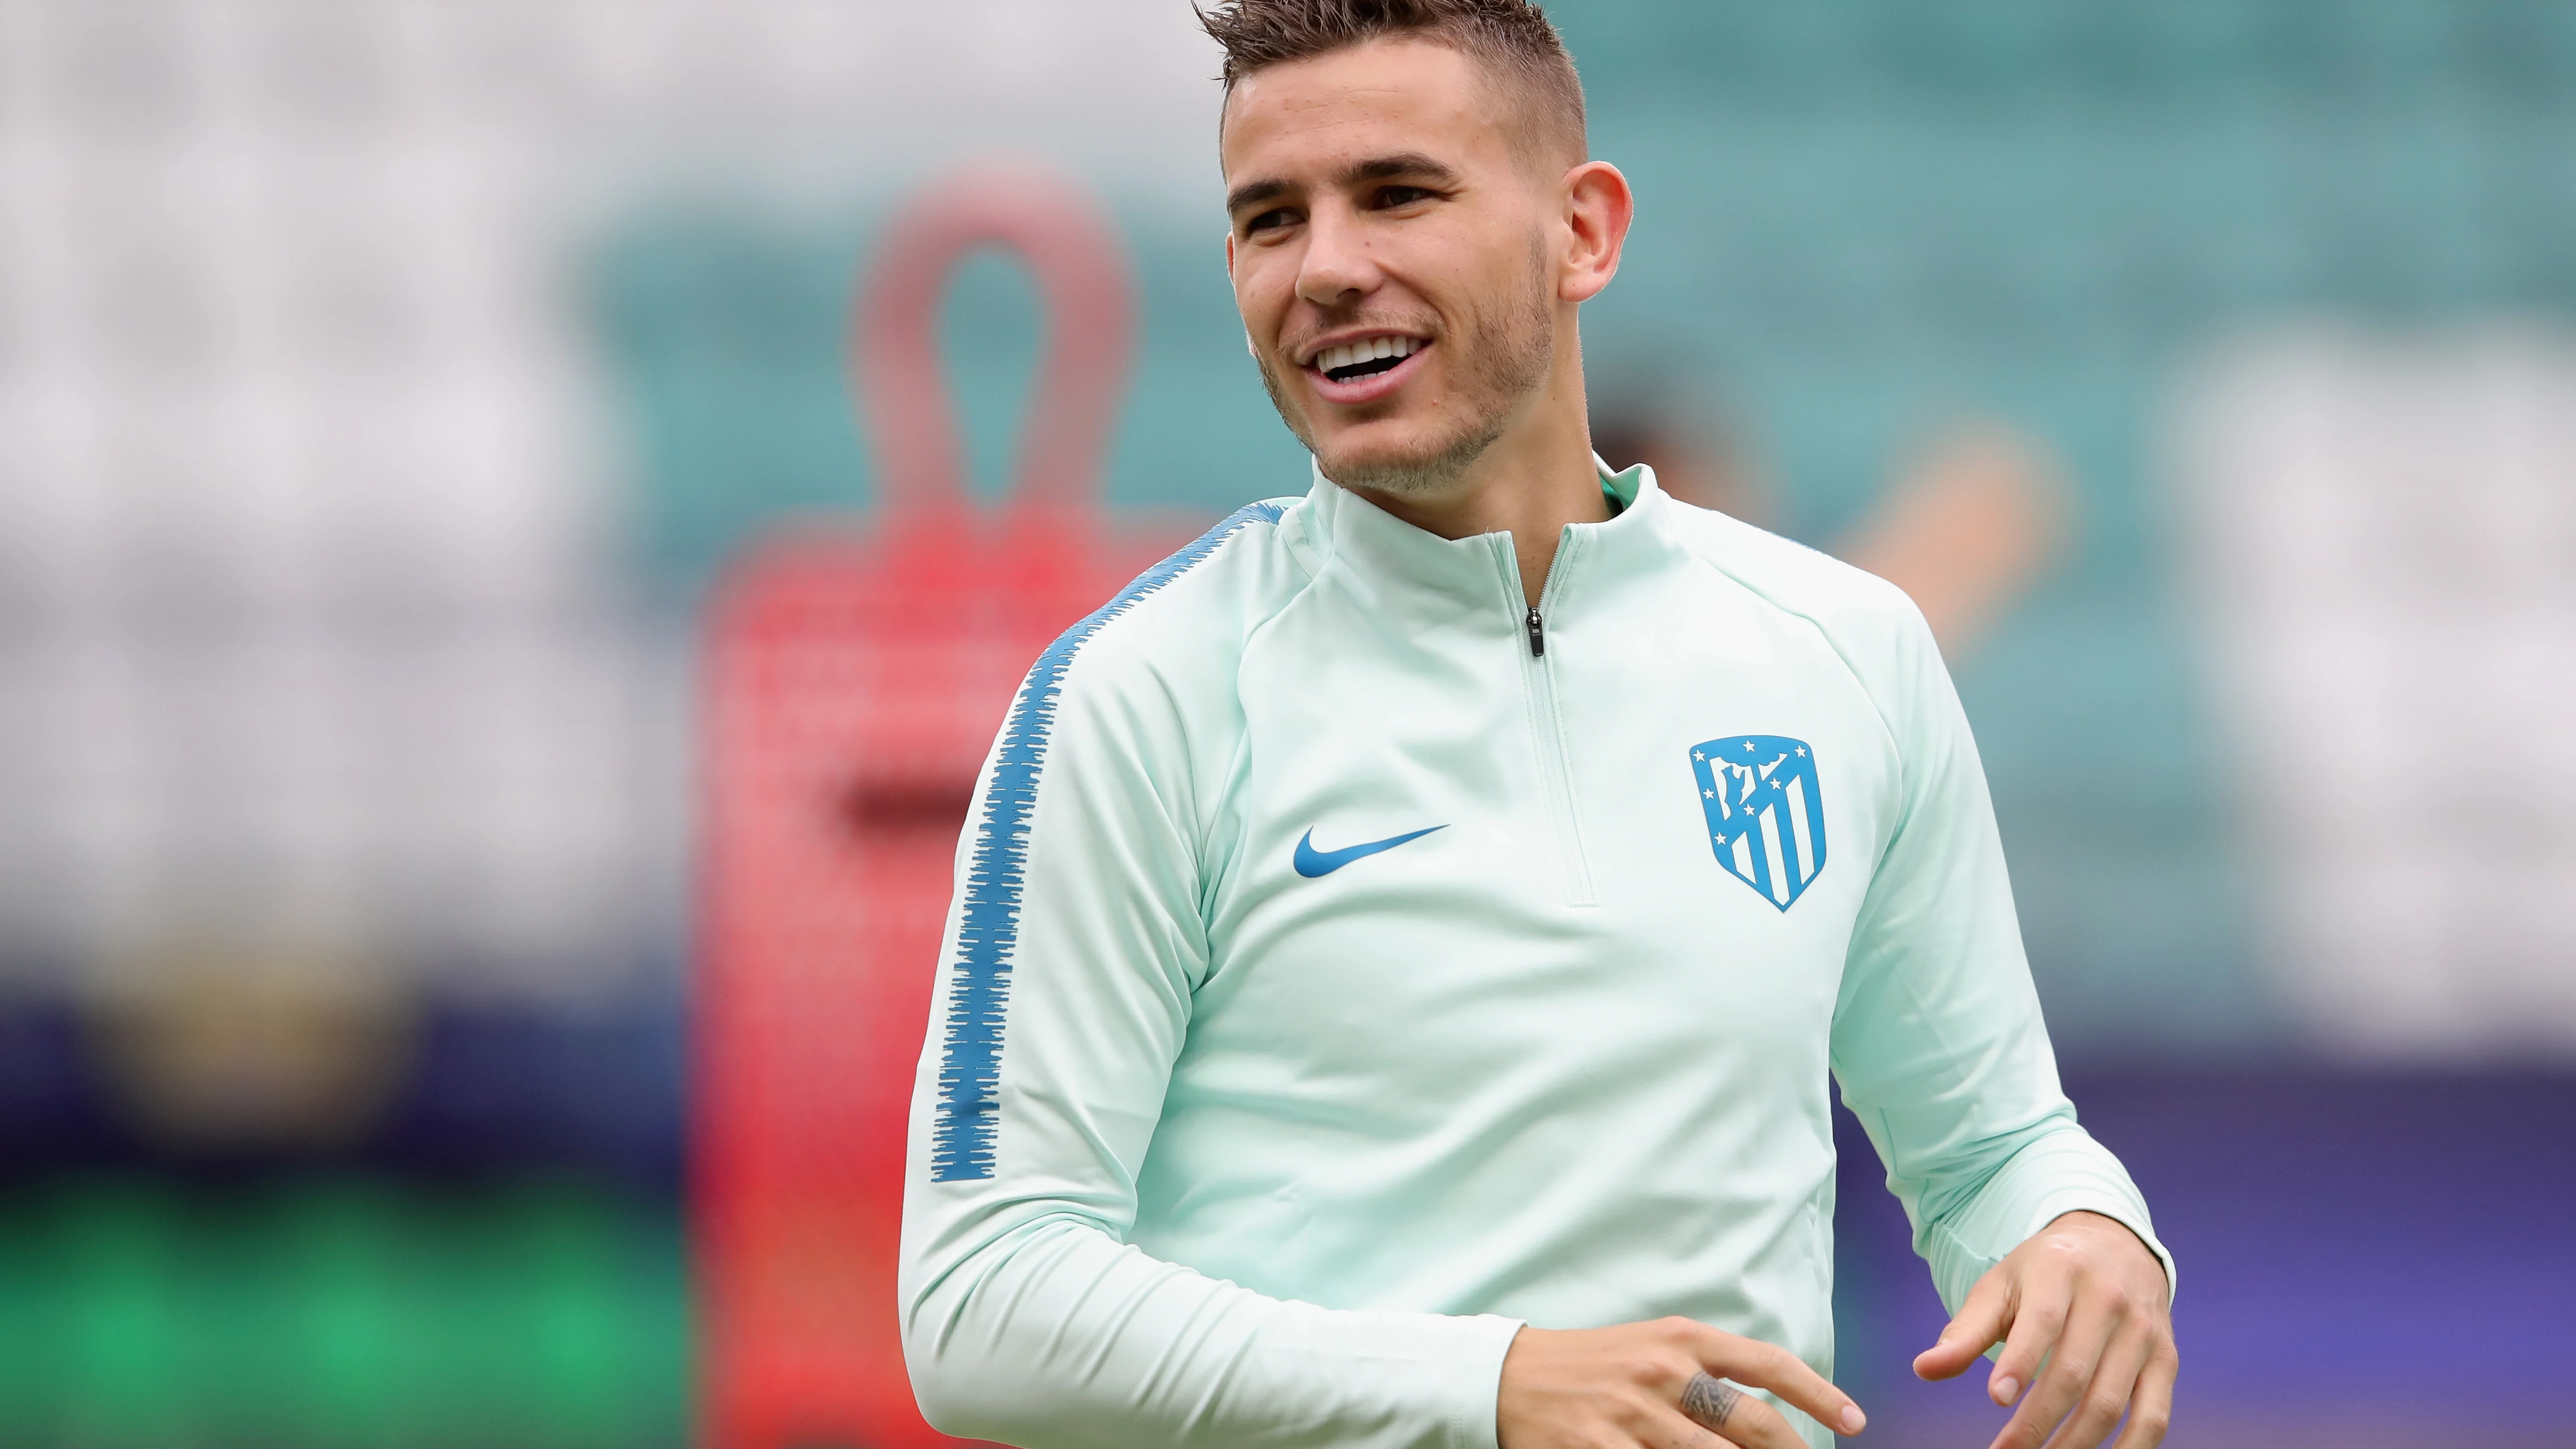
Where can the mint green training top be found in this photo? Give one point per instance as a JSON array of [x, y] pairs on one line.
[[1349, 965]]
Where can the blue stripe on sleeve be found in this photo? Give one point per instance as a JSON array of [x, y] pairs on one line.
[[970, 1066]]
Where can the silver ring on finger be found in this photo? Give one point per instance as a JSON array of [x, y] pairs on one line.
[[1708, 1400]]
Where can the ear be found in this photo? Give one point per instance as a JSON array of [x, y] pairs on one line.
[[1229, 251], [1598, 208]]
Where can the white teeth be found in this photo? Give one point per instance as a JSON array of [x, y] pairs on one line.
[[1368, 349]]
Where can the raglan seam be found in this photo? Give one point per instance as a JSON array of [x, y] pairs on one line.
[[1236, 762], [1859, 676], [1906, 766]]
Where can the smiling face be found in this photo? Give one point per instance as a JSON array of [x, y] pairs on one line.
[[1390, 255]]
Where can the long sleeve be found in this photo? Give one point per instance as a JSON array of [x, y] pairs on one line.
[[1075, 943], [1938, 1042]]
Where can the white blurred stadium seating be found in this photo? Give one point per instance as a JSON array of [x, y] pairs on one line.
[[2379, 532]]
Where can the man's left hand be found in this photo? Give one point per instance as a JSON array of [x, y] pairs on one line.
[[2085, 1296]]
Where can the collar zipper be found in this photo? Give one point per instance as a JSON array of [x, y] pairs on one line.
[[1546, 721]]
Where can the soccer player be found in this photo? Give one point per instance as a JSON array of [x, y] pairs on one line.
[[1402, 939]]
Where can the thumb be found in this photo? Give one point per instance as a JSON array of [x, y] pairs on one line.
[[1979, 1325]]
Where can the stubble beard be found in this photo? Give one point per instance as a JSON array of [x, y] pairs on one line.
[[1506, 356]]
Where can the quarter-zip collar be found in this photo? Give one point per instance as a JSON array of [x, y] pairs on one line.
[[1417, 572]]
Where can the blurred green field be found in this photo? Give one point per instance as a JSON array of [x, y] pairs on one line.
[[339, 1311]]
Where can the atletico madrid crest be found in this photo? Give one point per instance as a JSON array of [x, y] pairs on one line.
[[1766, 817]]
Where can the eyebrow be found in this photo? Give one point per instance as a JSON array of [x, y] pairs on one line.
[[1375, 168]]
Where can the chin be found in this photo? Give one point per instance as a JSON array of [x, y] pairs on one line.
[[1394, 469], [1392, 461]]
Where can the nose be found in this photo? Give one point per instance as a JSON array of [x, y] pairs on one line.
[[1336, 269]]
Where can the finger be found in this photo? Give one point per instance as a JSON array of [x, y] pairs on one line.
[[2106, 1399], [1980, 1321], [2151, 1406], [2073, 1358], [1681, 1433], [2042, 1299], [1737, 1417], [1769, 1366]]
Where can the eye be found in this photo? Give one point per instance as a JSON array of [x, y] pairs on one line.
[[1390, 198], [1270, 220]]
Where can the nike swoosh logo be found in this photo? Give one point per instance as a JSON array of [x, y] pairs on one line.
[[1312, 863]]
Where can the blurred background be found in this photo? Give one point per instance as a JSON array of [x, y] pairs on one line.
[[390, 388]]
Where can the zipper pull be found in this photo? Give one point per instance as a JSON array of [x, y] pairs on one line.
[[1537, 632]]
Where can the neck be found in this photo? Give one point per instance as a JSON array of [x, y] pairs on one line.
[[1536, 478]]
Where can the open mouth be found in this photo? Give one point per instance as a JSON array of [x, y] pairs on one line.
[[1366, 358]]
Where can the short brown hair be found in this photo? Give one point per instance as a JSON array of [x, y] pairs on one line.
[[1512, 39]]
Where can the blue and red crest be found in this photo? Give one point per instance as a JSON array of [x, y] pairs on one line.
[[1766, 815]]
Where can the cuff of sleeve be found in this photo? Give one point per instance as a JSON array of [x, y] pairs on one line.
[[1421, 1379], [2063, 1172], [1485, 1341]]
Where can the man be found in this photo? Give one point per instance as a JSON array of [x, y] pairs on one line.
[[1403, 938]]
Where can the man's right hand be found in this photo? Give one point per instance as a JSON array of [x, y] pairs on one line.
[[1592, 1388]]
